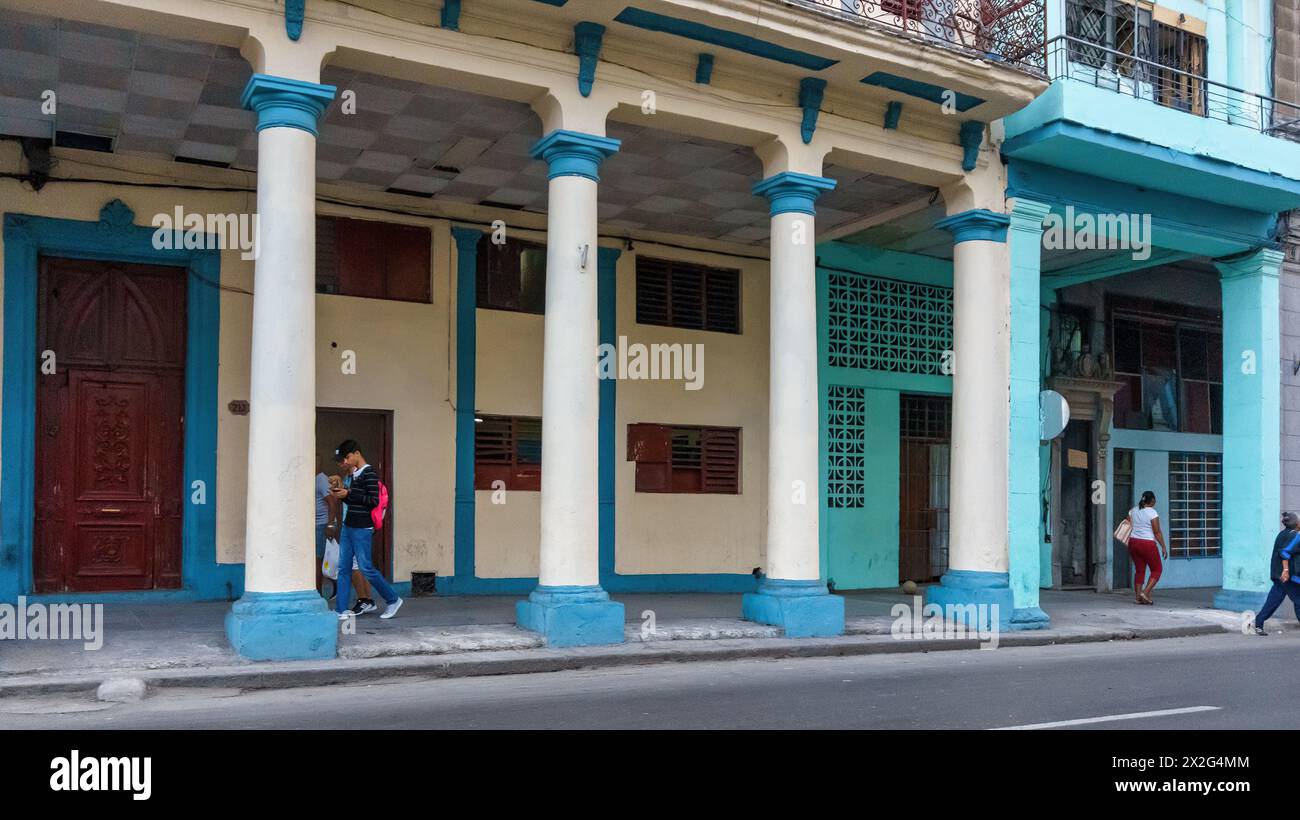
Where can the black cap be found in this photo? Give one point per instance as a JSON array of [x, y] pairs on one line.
[[345, 449]]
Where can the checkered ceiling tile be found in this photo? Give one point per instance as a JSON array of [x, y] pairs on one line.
[[180, 100]]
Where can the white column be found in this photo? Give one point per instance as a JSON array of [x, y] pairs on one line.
[[793, 488], [978, 547], [568, 606], [279, 542], [793, 594], [281, 616], [980, 407]]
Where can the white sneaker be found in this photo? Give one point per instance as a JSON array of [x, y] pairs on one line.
[[391, 609], [343, 616]]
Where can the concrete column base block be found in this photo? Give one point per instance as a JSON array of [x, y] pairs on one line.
[[571, 616], [969, 597], [804, 609], [1240, 600], [1030, 617], [282, 626]]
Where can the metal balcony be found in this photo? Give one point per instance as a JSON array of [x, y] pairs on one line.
[[1124, 73], [1008, 31]]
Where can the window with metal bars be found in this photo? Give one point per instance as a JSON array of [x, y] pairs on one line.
[[508, 449], [1124, 34], [687, 295], [1171, 369], [685, 458], [1195, 504]]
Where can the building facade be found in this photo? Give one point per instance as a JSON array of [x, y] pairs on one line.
[[773, 286]]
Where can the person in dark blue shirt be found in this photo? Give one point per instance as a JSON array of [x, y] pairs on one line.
[[1284, 585]]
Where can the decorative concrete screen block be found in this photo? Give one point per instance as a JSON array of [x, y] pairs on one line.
[[846, 447], [882, 324]]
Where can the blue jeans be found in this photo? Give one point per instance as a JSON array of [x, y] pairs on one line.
[[1276, 595], [320, 541], [355, 542]]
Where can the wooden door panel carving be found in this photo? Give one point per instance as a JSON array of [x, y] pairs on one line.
[[109, 427]]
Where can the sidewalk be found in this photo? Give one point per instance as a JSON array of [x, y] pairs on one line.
[[168, 645]]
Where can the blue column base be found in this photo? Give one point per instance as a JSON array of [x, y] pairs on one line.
[[571, 616], [803, 609], [960, 589], [282, 626], [1239, 600], [1030, 617]]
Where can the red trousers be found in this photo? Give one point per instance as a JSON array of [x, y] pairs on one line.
[[1145, 553]]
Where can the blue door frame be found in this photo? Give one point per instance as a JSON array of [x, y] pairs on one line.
[[114, 237]]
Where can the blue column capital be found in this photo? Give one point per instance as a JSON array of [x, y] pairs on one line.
[[1028, 214], [1259, 262], [978, 224], [467, 239], [284, 103], [573, 153], [791, 192], [607, 258]]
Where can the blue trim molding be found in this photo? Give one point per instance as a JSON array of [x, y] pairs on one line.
[[924, 91], [803, 609], [294, 13], [650, 21], [971, 137], [893, 112], [607, 450], [791, 192], [571, 616], [976, 225], [282, 626], [811, 91], [467, 242], [284, 103], [573, 153], [587, 38], [113, 238], [450, 18], [704, 69]]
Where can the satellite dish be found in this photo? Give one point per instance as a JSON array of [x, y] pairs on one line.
[[1053, 415]]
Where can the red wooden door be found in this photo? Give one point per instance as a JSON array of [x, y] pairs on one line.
[[109, 442]]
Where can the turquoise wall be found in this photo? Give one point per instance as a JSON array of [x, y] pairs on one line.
[[859, 545]]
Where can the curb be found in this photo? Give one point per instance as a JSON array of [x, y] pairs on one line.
[[533, 661]]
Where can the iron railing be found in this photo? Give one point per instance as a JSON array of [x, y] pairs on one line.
[[1010, 31], [1125, 73]]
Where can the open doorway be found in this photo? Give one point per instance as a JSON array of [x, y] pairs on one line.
[[1075, 535], [925, 433], [373, 431]]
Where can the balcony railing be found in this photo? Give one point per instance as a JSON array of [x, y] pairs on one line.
[[1086, 61], [1010, 31]]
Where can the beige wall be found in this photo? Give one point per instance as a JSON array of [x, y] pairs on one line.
[[655, 533], [673, 533], [402, 363], [404, 354]]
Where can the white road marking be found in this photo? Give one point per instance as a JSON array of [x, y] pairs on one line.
[[1186, 710]]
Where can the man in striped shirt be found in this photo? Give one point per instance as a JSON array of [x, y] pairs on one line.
[[361, 496]]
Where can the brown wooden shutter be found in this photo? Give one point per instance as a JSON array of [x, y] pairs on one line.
[[650, 446], [360, 254], [722, 309], [721, 450], [327, 270], [652, 291], [407, 263], [494, 447]]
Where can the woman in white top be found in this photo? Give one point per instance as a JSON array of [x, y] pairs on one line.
[[1142, 546]]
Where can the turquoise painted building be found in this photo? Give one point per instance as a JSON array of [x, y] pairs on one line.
[[1162, 158]]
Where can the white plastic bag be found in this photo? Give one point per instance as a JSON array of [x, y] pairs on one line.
[[329, 565]]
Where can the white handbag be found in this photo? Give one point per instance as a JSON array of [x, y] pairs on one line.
[[1122, 532], [329, 565]]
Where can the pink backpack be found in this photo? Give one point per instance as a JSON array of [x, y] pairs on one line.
[[377, 514]]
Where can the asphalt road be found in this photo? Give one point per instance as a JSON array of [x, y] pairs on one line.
[[1218, 682]]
